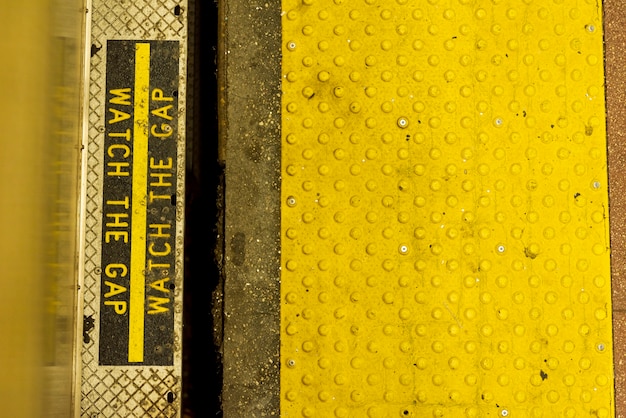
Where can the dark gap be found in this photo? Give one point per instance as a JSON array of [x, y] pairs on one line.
[[202, 363], [177, 10]]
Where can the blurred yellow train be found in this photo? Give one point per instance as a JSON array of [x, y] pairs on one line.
[[42, 52]]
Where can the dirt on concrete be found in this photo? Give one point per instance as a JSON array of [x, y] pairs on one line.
[[249, 80]]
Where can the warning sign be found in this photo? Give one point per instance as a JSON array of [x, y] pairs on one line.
[[139, 203]]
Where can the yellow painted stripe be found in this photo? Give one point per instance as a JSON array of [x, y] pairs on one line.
[[138, 226]]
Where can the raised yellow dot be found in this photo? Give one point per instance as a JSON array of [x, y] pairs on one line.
[[536, 380], [470, 313], [373, 379], [603, 412], [597, 217], [341, 412], [452, 233], [502, 281], [569, 380], [502, 314], [469, 281], [585, 396], [452, 265], [486, 330], [535, 314], [355, 76], [465, 91], [552, 330], [437, 346], [553, 396], [356, 396], [602, 380]]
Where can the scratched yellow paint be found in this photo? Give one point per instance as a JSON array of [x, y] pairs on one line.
[[445, 245]]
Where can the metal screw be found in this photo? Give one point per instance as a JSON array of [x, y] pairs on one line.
[[291, 362], [498, 122], [291, 201], [501, 248], [601, 347], [596, 184], [403, 122], [504, 413], [591, 28], [291, 45], [404, 249]]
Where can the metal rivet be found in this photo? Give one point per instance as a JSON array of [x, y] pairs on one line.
[[498, 122], [291, 201], [501, 248], [596, 184], [291, 45], [591, 28], [291, 362], [601, 347], [504, 412], [404, 249], [403, 122]]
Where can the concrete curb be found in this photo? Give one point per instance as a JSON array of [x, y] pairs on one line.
[[249, 104]]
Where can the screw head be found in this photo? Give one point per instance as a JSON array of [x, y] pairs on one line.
[[403, 122]]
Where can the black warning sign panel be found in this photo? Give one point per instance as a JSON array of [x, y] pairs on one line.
[[139, 203]]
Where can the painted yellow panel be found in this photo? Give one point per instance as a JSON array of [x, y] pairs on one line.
[[445, 245]]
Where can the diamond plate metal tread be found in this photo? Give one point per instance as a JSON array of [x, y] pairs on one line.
[[108, 391], [445, 245]]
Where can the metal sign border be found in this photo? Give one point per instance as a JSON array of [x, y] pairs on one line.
[[122, 391]]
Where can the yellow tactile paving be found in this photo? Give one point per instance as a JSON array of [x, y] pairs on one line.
[[444, 217]]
